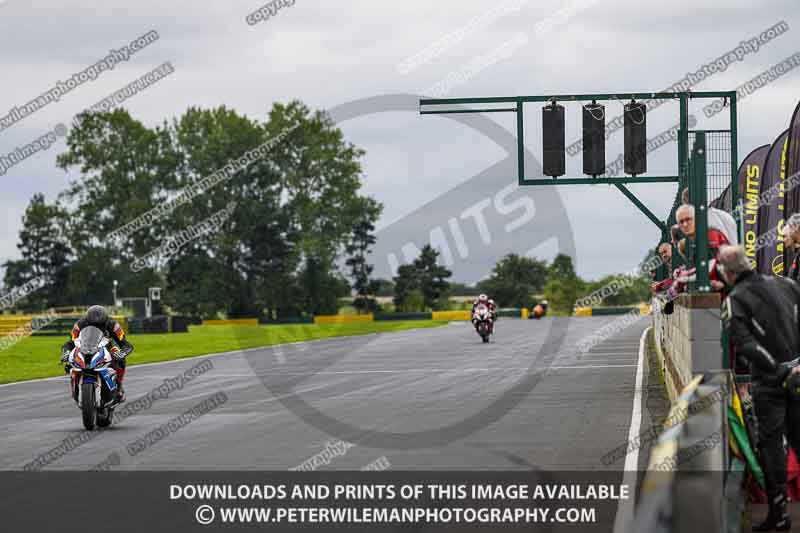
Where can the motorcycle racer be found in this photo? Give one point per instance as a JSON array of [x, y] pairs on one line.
[[97, 316], [489, 303]]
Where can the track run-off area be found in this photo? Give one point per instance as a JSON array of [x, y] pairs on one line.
[[429, 399]]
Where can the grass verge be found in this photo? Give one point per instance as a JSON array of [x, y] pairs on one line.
[[37, 357]]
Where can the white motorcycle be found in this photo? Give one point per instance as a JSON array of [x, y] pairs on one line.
[[93, 380], [483, 321]]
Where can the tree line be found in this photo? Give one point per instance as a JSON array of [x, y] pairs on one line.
[[515, 281], [297, 212]]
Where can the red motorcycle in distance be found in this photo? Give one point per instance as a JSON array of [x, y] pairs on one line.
[[540, 310], [482, 319]]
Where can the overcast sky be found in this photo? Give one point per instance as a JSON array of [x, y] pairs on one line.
[[329, 53]]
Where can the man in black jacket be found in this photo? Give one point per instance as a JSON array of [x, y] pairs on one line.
[[763, 314], [97, 316]]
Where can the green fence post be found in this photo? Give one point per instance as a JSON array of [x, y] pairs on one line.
[[735, 166], [520, 144], [726, 347], [697, 194], [683, 139]]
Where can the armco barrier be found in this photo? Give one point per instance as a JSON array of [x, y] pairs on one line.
[[451, 315], [287, 320], [642, 309], [688, 465], [342, 319], [180, 324], [9, 324], [62, 326], [156, 324], [403, 316], [605, 311], [232, 322]]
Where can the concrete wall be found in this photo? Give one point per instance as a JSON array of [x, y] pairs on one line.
[[688, 340]]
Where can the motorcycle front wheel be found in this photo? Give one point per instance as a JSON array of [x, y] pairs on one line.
[[88, 405]]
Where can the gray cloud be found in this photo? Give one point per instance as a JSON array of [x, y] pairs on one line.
[[328, 53]]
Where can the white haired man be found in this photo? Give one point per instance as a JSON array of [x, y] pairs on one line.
[[716, 238]]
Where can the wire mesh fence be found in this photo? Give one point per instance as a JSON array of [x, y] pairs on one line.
[[715, 149]]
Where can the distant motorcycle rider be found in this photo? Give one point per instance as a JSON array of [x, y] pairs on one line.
[[490, 305], [762, 314], [97, 316], [540, 309]]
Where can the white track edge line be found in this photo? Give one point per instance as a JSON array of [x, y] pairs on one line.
[[624, 517]]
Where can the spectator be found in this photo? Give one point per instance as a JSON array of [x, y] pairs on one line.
[[676, 237], [716, 239], [684, 215], [665, 253], [682, 249], [791, 243], [761, 315], [718, 220]]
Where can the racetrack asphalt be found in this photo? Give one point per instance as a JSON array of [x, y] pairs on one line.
[[391, 386]]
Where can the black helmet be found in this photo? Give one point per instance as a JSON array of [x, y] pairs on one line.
[[97, 315]]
